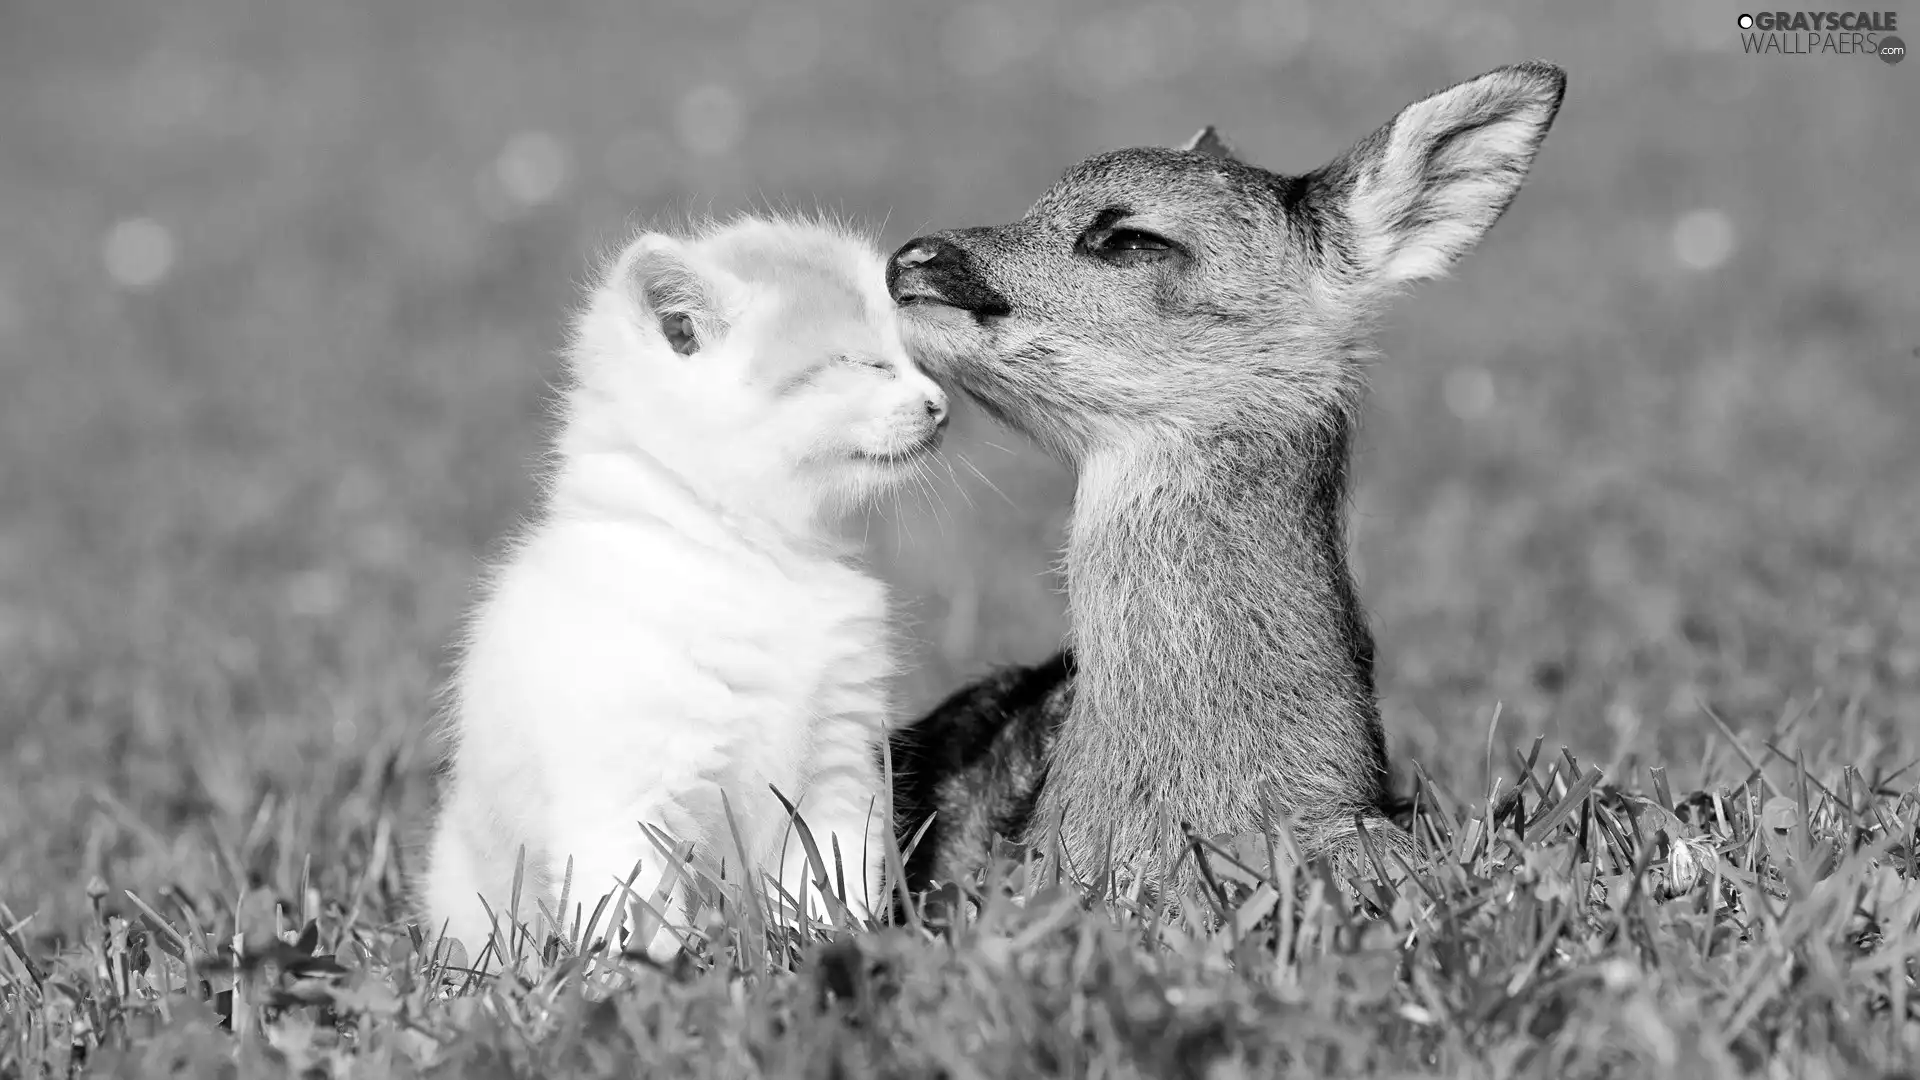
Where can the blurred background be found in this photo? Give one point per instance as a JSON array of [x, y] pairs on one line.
[[281, 287]]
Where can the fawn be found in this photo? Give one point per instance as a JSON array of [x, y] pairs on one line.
[[1189, 331]]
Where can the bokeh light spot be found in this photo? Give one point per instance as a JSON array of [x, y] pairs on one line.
[[532, 168], [1703, 239], [138, 253], [317, 593]]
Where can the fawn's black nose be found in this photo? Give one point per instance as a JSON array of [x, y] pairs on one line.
[[917, 252], [918, 265], [936, 270]]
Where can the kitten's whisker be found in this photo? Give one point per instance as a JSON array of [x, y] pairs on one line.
[[919, 476], [955, 477], [975, 469]]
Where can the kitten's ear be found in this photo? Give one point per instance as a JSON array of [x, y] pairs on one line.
[[1208, 141], [679, 299], [1417, 194]]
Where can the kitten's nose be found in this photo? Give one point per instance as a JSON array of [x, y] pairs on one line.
[[937, 409]]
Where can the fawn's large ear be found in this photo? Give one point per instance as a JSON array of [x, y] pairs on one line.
[[1417, 194], [678, 298], [1208, 141]]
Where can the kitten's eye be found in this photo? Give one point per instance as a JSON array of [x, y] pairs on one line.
[[860, 360], [1126, 245], [678, 330]]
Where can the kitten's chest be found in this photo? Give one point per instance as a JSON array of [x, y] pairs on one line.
[[821, 634], [848, 626]]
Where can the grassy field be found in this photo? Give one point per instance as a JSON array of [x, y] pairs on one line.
[[280, 288]]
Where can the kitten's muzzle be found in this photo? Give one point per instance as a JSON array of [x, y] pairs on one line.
[[933, 425], [922, 429], [919, 448], [934, 270]]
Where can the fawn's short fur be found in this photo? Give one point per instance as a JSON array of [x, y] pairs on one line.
[[1188, 331]]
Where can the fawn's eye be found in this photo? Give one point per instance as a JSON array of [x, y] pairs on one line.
[[1134, 240], [1126, 245]]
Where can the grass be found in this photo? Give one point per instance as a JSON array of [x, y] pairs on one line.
[[1564, 927], [1641, 480]]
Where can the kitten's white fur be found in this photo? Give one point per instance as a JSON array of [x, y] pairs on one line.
[[686, 618]]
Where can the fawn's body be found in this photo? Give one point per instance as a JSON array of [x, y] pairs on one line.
[[1188, 331]]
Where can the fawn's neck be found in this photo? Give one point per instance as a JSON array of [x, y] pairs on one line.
[[1213, 611]]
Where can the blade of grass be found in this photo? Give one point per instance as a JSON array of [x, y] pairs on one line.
[[756, 936], [1738, 747], [1543, 825], [836, 909]]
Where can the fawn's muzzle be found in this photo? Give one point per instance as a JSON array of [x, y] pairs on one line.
[[935, 270]]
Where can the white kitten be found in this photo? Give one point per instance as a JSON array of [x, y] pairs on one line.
[[686, 618]]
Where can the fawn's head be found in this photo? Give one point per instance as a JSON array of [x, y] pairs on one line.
[[1176, 294]]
